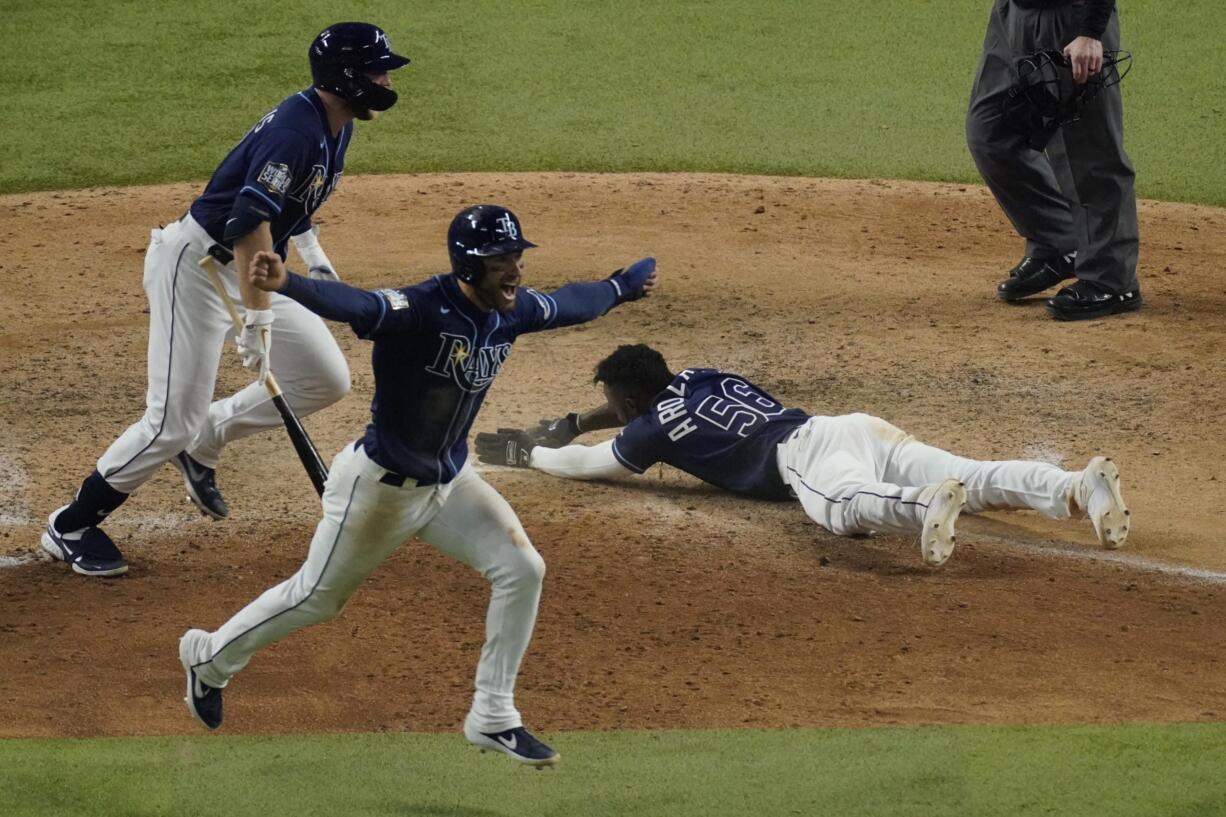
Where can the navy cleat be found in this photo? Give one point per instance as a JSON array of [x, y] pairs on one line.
[[89, 550], [518, 743], [203, 701], [201, 482]]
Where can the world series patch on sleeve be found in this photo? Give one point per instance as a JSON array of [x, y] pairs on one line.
[[395, 299], [275, 177]]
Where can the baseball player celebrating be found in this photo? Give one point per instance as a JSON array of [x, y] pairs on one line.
[[261, 196], [852, 474], [437, 348]]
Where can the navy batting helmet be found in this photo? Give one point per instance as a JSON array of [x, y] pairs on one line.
[[343, 54], [482, 231]]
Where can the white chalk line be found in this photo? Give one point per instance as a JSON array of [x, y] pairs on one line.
[[127, 522], [1120, 557], [13, 489], [1044, 452], [19, 559], [13, 482]]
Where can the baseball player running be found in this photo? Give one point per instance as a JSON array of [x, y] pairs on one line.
[[437, 348], [852, 474], [261, 196]]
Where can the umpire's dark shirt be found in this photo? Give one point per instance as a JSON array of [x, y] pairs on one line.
[[1095, 13]]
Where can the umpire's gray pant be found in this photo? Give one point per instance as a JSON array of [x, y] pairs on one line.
[[1079, 193]]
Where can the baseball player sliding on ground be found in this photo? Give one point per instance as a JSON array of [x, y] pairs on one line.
[[261, 196], [852, 474], [437, 348]]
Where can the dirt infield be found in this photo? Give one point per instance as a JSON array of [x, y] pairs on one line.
[[667, 604]]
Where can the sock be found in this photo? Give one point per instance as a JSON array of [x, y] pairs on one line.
[[94, 502]]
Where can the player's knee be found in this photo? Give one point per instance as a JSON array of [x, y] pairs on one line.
[[175, 437], [321, 389], [527, 567], [329, 384], [335, 382], [327, 608], [323, 604], [984, 148]]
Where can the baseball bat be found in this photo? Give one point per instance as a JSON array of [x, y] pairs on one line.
[[307, 452]]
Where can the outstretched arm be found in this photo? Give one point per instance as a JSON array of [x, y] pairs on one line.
[[555, 433], [582, 302], [513, 447], [579, 462], [332, 300]]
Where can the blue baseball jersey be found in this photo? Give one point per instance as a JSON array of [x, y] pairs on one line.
[[716, 426], [435, 355], [281, 172]]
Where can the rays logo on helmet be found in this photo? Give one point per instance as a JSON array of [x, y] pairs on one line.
[[506, 226]]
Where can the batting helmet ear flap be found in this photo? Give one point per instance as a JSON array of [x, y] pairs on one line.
[[343, 54]]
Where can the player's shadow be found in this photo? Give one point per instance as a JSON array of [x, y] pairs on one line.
[[886, 555], [874, 555], [673, 490], [898, 555]]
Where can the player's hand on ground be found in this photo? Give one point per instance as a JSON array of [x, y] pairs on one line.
[[556, 433], [507, 446], [637, 280], [1085, 55], [267, 272], [255, 341]]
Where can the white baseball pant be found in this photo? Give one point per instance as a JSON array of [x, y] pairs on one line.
[[188, 328], [857, 473], [364, 520]]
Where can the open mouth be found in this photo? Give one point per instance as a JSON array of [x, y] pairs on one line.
[[508, 290]]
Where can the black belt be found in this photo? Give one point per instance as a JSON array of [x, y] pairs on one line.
[[390, 478], [221, 253]]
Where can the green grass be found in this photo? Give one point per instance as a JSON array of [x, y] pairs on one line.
[[981, 771], [123, 92]]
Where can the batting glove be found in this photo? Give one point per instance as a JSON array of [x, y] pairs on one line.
[[556, 433], [255, 341], [629, 282], [509, 446], [312, 253]]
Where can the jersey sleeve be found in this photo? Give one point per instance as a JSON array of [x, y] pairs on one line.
[[572, 304], [638, 445], [375, 314], [278, 158], [534, 310]]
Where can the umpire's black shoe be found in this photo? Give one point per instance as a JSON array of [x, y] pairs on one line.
[[1083, 300], [201, 482], [1033, 275]]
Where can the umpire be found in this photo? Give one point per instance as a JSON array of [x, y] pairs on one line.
[[1074, 203]]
